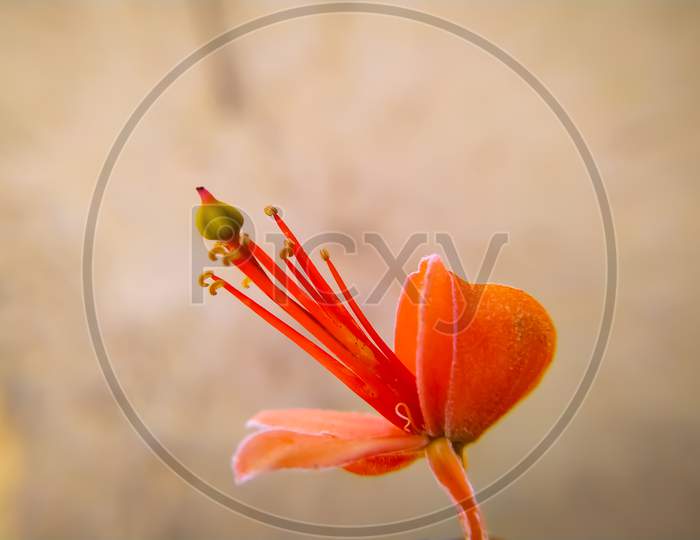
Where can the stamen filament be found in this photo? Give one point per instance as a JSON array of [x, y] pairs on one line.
[[315, 276], [364, 321], [357, 354], [354, 342], [389, 368], [392, 372], [302, 280], [347, 332], [394, 366], [330, 301], [338, 331], [368, 373], [326, 360]]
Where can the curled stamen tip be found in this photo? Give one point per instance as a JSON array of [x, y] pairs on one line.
[[246, 282], [216, 250], [324, 254], [404, 415], [215, 286], [202, 279], [271, 211]]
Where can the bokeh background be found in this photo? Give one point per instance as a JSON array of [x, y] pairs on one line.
[[352, 123]]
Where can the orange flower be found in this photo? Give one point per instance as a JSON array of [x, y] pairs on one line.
[[464, 355]]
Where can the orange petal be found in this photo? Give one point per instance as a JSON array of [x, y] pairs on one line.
[[406, 332], [450, 473], [385, 463], [427, 309], [478, 349], [345, 425], [276, 449], [502, 353]]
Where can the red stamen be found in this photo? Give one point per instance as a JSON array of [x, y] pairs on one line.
[[318, 283], [392, 371], [394, 366], [315, 276], [356, 340], [388, 367], [364, 321], [280, 275], [386, 393], [349, 321], [302, 280], [358, 355], [346, 376], [340, 332]]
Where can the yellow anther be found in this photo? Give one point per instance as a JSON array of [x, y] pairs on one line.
[[271, 210], [202, 279], [324, 254], [215, 286], [288, 249], [246, 282], [216, 250], [404, 416]]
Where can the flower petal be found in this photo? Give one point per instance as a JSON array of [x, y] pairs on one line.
[[406, 332], [428, 307], [382, 464], [478, 349], [276, 449], [502, 354], [345, 425], [450, 473]]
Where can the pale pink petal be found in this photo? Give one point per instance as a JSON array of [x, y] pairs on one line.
[[276, 449], [345, 425]]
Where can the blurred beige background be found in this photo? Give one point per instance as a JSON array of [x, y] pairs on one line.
[[350, 123]]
